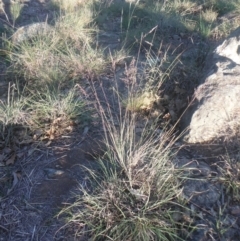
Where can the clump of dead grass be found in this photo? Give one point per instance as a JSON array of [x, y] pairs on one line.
[[48, 65], [57, 112], [68, 52], [209, 15], [136, 191], [12, 113], [135, 198], [229, 170], [68, 6]]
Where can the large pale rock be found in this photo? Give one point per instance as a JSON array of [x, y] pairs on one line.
[[30, 31], [215, 113]]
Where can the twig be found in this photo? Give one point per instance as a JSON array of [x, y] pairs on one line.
[[204, 210], [2, 227], [33, 234]]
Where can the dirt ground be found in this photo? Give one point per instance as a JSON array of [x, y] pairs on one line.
[[44, 176]]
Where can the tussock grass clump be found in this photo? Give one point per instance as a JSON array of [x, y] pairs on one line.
[[141, 102], [68, 6], [209, 15], [146, 82], [56, 111], [38, 62], [66, 53], [52, 112], [135, 193], [230, 176], [15, 8], [12, 113], [47, 65], [222, 6], [188, 16], [77, 26]]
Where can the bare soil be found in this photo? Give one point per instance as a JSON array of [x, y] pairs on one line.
[[48, 174]]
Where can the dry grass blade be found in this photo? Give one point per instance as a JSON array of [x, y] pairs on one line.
[[136, 190], [12, 112]]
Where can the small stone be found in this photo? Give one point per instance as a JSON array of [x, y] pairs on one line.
[[176, 37], [235, 211], [139, 130], [166, 97], [53, 173], [182, 35], [177, 216]]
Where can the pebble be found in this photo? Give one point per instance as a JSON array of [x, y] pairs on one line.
[[53, 173], [235, 211]]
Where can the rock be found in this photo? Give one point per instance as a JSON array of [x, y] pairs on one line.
[[213, 115], [235, 211], [201, 192], [176, 37], [53, 173], [30, 31]]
